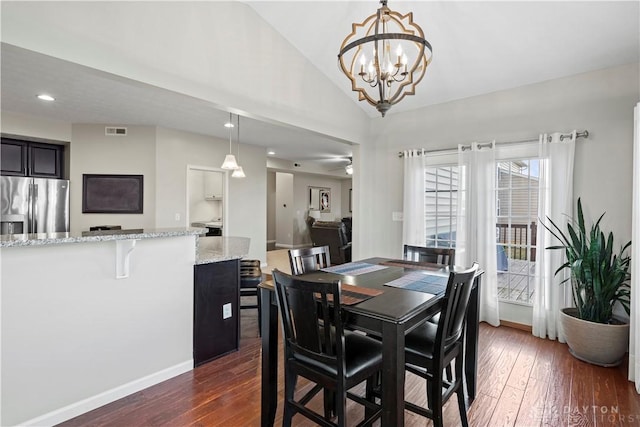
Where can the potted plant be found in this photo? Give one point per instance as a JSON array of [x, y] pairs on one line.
[[599, 279]]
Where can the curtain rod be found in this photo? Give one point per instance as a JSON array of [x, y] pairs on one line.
[[584, 134]]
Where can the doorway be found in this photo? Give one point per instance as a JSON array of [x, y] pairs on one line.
[[207, 194]]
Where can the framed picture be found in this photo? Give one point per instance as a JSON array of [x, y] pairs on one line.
[[325, 201], [121, 194]]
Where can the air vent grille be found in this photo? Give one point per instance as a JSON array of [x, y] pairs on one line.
[[115, 131]]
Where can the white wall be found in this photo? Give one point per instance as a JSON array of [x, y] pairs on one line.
[[20, 124], [70, 345], [301, 184], [247, 196], [284, 210], [271, 206], [601, 102], [347, 185], [92, 152]]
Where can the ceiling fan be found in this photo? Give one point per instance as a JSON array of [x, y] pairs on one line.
[[348, 167]]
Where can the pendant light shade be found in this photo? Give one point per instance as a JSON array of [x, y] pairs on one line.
[[230, 160], [238, 172]]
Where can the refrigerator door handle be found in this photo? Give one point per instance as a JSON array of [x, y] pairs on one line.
[[33, 202]]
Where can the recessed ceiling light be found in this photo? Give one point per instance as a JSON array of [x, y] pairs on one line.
[[46, 97], [228, 125], [271, 153]]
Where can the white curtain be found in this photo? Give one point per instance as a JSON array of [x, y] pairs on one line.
[[634, 341], [413, 232], [555, 201], [476, 222]]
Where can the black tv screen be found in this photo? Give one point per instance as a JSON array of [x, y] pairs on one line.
[[112, 193]]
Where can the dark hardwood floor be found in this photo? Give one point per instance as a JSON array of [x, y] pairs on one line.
[[522, 381]]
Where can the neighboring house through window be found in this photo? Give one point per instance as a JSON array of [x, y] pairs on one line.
[[517, 209]]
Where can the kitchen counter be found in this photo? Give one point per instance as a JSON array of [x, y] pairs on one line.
[[94, 236], [213, 224], [216, 249]]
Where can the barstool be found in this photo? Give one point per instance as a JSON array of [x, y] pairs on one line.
[[250, 278]]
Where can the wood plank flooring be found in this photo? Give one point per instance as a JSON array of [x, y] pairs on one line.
[[522, 381]]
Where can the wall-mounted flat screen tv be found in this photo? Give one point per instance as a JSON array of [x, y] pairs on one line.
[[112, 193]]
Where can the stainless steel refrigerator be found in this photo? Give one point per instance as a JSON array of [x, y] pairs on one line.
[[33, 205]]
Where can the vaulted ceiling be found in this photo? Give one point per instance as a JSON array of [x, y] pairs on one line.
[[479, 47]]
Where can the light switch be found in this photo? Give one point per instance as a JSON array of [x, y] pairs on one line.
[[226, 311], [397, 216]]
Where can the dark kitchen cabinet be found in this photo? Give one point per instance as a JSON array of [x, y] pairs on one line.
[[25, 158], [216, 295]]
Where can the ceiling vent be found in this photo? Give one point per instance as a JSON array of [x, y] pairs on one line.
[[115, 131]]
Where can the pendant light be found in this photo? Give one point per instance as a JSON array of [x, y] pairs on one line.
[[238, 172], [230, 160]]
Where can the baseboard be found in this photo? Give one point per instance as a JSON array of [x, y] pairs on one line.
[[515, 325], [93, 402]]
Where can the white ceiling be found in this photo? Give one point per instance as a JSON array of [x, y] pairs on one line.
[[479, 47]]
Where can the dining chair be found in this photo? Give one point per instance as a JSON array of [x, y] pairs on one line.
[[430, 348], [443, 256], [250, 278], [319, 349], [305, 260]]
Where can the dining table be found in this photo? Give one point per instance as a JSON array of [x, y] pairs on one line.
[[396, 297]]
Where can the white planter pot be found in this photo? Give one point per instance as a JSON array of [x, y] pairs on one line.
[[596, 343]]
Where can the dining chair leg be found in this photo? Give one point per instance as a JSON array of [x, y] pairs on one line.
[[341, 406], [462, 406], [370, 394], [330, 402], [289, 390], [435, 402]]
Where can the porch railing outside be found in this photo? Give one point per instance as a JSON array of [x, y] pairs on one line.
[[516, 256]]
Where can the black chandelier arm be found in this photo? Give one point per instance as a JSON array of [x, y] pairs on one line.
[[385, 36]]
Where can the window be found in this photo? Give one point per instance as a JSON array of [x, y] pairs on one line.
[[441, 201], [516, 225]]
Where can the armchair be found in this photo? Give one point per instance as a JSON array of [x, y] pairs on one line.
[[334, 235]]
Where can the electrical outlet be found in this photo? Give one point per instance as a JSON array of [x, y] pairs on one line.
[[226, 311], [177, 217]]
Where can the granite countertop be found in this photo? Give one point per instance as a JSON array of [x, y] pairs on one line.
[[217, 248], [41, 239]]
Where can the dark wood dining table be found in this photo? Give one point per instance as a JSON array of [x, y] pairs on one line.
[[389, 315]]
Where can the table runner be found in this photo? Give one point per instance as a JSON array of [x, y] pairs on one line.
[[417, 281], [354, 268]]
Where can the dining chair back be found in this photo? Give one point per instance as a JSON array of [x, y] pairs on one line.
[[318, 349], [305, 260], [443, 256], [431, 348], [250, 278]]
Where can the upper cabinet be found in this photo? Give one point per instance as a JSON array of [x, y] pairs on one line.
[[213, 185], [25, 158]]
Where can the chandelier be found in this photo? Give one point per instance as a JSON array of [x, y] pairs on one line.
[[381, 76]]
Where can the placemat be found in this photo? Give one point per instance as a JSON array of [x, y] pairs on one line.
[[412, 264], [354, 268], [429, 283]]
